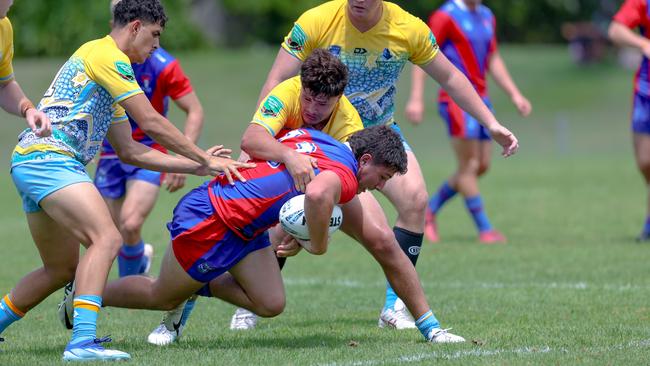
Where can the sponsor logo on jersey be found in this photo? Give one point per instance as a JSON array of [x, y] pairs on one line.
[[272, 106], [414, 250], [125, 71], [146, 82], [360, 51], [205, 267], [386, 54], [297, 39], [335, 50]]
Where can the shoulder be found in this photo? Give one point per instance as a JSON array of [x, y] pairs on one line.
[[5, 25], [486, 12], [102, 51]]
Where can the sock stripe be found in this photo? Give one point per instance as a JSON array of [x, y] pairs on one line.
[[13, 307], [424, 317], [86, 304]]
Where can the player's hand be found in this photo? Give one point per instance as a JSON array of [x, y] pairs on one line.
[[230, 168], [39, 122], [522, 104], [301, 167], [220, 151], [288, 247], [506, 139], [174, 181], [414, 111]]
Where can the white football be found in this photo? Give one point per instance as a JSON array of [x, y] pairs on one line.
[[292, 218]]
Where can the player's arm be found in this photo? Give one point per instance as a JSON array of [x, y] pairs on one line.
[[135, 153], [258, 143], [620, 34], [415, 105], [463, 93], [165, 133], [321, 195], [284, 67], [502, 77], [14, 101]]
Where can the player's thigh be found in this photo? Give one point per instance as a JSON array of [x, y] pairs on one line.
[[140, 198], [402, 190], [57, 246], [642, 150], [173, 283], [258, 274], [81, 209], [467, 152]]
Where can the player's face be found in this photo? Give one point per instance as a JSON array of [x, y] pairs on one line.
[[372, 176], [364, 9], [472, 3], [316, 108], [4, 7], [147, 39]]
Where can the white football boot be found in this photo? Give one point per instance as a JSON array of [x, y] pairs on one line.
[[66, 306], [439, 335], [243, 320], [398, 317], [170, 328], [148, 255]]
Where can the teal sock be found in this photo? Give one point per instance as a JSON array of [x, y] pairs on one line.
[[475, 207], [427, 322], [86, 310], [187, 310], [8, 313], [391, 297]]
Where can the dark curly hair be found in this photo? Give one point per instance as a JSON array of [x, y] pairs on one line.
[[383, 143], [324, 74], [148, 11]]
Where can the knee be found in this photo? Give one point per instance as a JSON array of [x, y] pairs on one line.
[[382, 245], [416, 204], [111, 241], [483, 168], [131, 225], [168, 305], [270, 306], [61, 275]]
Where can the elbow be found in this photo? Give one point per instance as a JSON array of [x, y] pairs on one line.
[[127, 157], [246, 143], [319, 251]]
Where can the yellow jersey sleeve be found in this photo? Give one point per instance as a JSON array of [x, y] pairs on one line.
[[7, 49], [422, 42], [303, 37], [111, 69], [278, 109]]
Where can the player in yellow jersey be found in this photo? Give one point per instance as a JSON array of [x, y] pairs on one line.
[[12, 98], [86, 102], [375, 39]]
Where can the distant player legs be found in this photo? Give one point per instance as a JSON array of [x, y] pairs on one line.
[[129, 214], [642, 155]]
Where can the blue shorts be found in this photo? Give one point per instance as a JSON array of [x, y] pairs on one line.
[[641, 114], [396, 128], [38, 178], [202, 243], [112, 175], [461, 124]]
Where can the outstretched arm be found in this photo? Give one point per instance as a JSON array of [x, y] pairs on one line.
[[502, 77], [463, 93]]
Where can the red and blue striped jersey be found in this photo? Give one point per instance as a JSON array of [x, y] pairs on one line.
[[252, 207], [160, 77], [468, 38], [633, 14]]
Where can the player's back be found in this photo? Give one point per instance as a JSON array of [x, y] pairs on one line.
[[251, 207], [467, 37]]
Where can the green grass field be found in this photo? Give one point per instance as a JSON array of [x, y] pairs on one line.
[[570, 287]]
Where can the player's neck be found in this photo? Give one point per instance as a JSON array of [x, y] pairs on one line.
[[121, 39], [364, 24]]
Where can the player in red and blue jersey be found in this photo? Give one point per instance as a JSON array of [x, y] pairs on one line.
[[636, 14], [219, 227], [466, 33], [130, 191]]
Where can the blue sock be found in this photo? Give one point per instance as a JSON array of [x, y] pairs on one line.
[[646, 227], [86, 309], [130, 258], [444, 194], [475, 207], [9, 313], [427, 322], [391, 297], [187, 310]]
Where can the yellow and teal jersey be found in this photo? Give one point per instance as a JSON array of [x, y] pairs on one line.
[[374, 58], [281, 110], [6, 50], [82, 103]]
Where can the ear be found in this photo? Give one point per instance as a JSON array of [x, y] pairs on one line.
[[135, 26], [365, 159]]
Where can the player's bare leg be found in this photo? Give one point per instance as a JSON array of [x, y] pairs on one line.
[[642, 156]]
